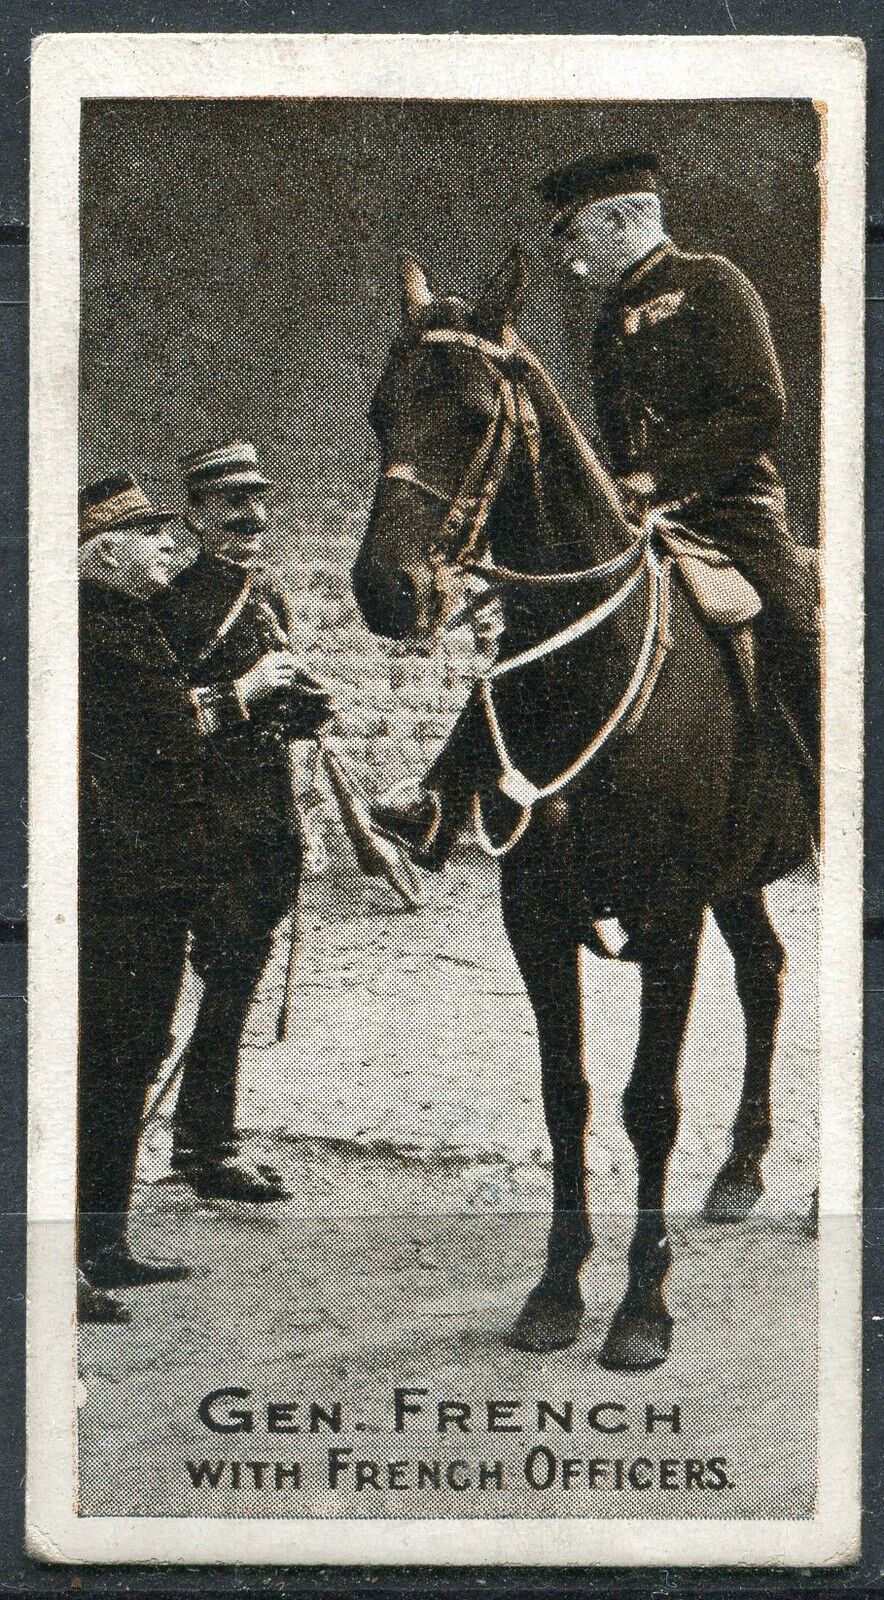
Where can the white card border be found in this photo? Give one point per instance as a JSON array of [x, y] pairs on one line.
[[70, 67]]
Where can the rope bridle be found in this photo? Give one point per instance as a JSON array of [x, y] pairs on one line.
[[457, 543]]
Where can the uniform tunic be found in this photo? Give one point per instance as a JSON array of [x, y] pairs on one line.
[[141, 782], [689, 389], [220, 619]]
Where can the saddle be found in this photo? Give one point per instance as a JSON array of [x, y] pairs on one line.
[[721, 593], [725, 599]]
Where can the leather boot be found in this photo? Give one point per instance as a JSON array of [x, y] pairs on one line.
[[422, 823], [117, 1269], [185, 1161], [96, 1305], [232, 1179]]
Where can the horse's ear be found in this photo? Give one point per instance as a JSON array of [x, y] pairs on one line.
[[416, 292], [500, 301]]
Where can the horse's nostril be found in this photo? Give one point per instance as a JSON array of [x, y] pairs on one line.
[[406, 594], [388, 601]]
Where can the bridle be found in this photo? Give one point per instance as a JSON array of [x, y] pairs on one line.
[[467, 510], [457, 543], [458, 537]]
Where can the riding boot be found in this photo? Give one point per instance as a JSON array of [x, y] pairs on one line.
[[427, 822], [429, 818], [412, 819], [792, 664], [802, 726]]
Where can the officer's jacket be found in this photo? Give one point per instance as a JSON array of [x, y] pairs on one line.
[[688, 386], [220, 619], [141, 754]]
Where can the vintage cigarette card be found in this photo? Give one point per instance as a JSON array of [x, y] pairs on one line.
[[446, 754]]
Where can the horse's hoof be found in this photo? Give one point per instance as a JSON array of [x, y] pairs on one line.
[[733, 1195], [636, 1342], [547, 1321]]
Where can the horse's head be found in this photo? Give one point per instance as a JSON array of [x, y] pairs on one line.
[[443, 415]]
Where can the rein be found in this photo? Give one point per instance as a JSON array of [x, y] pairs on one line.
[[467, 512], [629, 710]]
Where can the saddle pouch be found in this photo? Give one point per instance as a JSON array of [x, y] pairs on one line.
[[719, 590]]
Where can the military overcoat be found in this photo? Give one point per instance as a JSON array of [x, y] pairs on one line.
[[141, 754]]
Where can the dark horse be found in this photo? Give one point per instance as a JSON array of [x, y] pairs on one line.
[[687, 801]]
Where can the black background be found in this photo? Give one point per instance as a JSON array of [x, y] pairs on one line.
[[21, 22]]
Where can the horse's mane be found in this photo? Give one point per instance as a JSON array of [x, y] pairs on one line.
[[588, 486]]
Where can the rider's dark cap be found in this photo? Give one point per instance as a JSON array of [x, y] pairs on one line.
[[588, 179], [230, 465], [116, 502]]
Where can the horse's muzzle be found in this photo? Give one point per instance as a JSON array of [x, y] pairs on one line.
[[388, 599]]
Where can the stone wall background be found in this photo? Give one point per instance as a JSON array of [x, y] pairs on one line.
[[238, 276]]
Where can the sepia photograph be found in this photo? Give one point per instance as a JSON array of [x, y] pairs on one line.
[[454, 882]]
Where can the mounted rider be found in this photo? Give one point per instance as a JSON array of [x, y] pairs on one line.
[[690, 404]]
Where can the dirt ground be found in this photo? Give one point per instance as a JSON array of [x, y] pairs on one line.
[[405, 1114]]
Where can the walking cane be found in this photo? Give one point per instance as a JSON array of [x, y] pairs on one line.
[[162, 1087], [287, 1005], [376, 855]]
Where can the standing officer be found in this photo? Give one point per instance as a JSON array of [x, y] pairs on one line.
[[142, 731], [690, 403], [225, 619]]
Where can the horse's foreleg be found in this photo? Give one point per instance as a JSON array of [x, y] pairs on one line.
[[640, 1332], [549, 962], [759, 965]]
